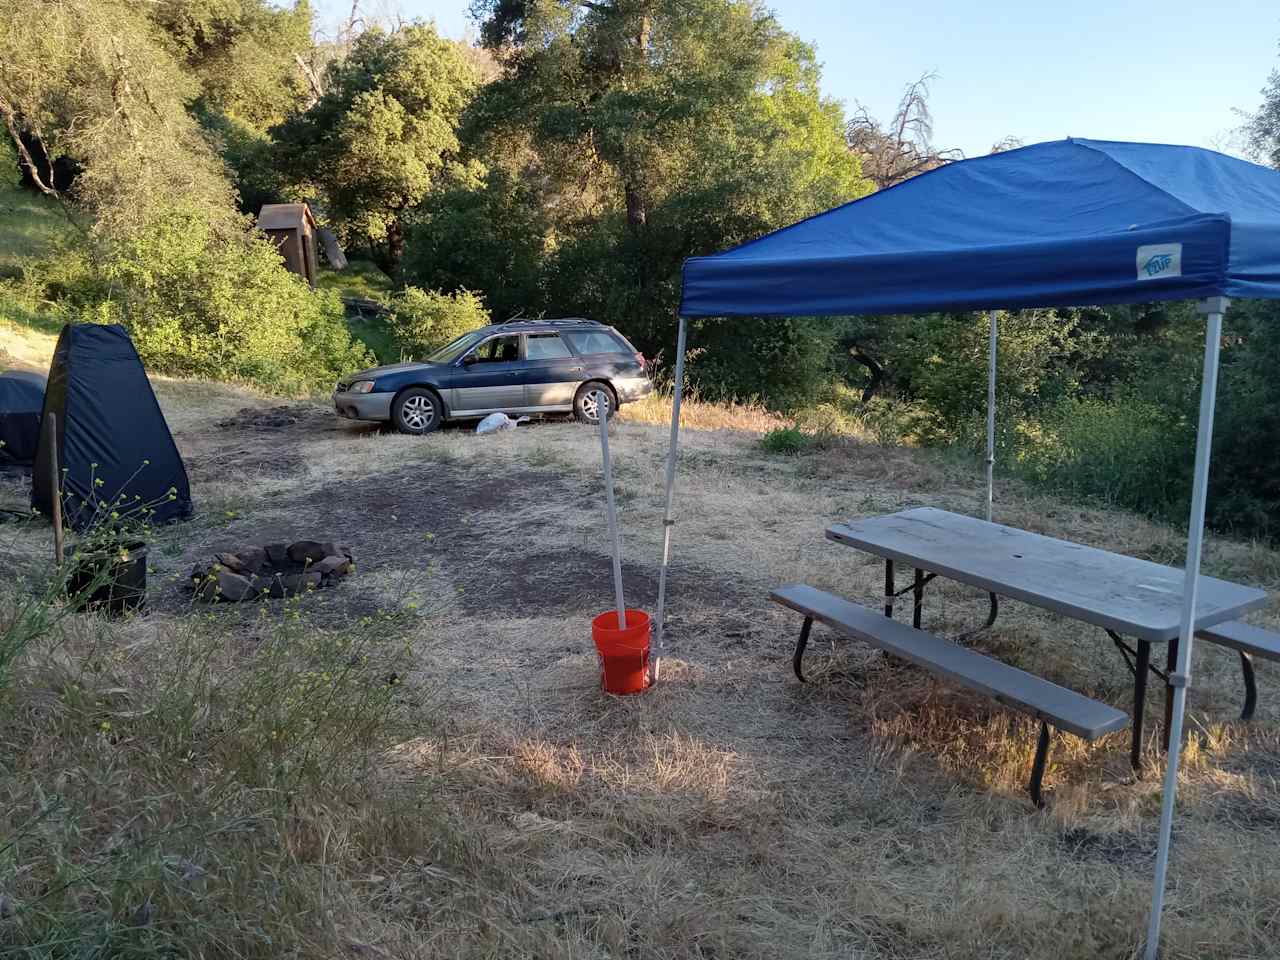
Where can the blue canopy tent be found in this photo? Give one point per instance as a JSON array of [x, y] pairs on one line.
[[1065, 223]]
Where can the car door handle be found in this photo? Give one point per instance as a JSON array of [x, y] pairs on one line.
[[514, 373]]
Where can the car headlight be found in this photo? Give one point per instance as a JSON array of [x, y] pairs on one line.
[[361, 386]]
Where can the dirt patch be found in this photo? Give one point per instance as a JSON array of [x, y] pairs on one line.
[[15, 489], [267, 462], [442, 496], [287, 417], [1120, 848], [493, 535], [572, 580], [261, 442], [1248, 810], [496, 541]]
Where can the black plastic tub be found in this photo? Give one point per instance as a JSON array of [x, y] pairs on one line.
[[114, 582]]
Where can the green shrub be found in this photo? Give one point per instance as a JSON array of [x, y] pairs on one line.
[[423, 321], [941, 360], [22, 308], [891, 421], [1127, 452], [780, 360], [201, 302], [787, 441]]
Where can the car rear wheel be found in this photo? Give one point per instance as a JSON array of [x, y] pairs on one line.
[[591, 396], [417, 411]]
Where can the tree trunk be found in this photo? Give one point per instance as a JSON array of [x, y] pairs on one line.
[[632, 182], [873, 365], [637, 209], [395, 245], [388, 254]]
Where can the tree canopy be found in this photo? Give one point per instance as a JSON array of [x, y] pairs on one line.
[[651, 130], [244, 53], [373, 144], [1263, 127], [93, 81]]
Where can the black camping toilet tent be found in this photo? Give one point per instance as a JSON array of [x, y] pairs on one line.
[[21, 399], [114, 447]]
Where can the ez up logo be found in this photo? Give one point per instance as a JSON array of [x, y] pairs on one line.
[[1159, 260]]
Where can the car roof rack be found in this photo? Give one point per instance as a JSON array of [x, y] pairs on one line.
[[562, 322]]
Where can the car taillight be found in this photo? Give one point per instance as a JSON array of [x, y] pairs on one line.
[[640, 360]]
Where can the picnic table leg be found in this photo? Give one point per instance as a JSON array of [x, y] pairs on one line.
[[1037, 767], [888, 588], [1250, 686], [800, 645], [918, 592], [1139, 700], [1172, 663]]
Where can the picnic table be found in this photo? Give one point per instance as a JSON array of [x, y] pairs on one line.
[[1127, 597]]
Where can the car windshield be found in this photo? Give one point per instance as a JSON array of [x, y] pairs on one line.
[[457, 348]]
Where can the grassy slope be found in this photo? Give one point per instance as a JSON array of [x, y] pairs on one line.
[[363, 281], [501, 806], [30, 226]]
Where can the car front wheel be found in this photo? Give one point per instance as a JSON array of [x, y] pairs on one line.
[[417, 411], [590, 398]]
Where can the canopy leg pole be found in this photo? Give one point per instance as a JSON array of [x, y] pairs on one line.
[[602, 408], [1214, 307], [659, 646], [991, 410]]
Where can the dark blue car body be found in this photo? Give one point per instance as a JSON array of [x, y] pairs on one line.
[[524, 367]]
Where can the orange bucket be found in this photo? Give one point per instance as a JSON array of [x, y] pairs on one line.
[[624, 654]]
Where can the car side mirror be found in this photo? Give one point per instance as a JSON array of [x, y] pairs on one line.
[[469, 359]]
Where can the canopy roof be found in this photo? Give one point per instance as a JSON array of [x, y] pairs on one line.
[[1069, 222]]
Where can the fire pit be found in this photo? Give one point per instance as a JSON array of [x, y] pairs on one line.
[[272, 570]]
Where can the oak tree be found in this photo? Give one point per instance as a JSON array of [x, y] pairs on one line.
[[373, 144]]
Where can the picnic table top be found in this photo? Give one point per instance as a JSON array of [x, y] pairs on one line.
[[1134, 597]]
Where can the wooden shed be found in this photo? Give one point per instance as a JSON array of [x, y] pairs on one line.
[[293, 230]]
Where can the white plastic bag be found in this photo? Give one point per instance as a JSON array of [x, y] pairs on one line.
[[496, 422]]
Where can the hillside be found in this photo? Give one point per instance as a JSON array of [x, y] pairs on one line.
[[31, 226]]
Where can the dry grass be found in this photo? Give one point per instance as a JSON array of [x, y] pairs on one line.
[[697, 414], [508, 808], [24, 347]]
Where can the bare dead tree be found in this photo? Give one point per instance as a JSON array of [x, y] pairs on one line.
[[1007, 143], [314, 84], [328, 45], [903, 148], [12, 125], [353, 25]]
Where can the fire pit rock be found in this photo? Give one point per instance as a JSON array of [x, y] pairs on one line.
[[271, 570]]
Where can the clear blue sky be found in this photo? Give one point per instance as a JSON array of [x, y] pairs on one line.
[[1110, 69]]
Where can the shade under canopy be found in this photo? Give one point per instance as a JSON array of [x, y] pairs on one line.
[[1070, 222], [1074, 222]]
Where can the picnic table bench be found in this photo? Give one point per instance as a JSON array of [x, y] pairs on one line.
[[1129, 598], [1047, 702], [1249, 641]]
